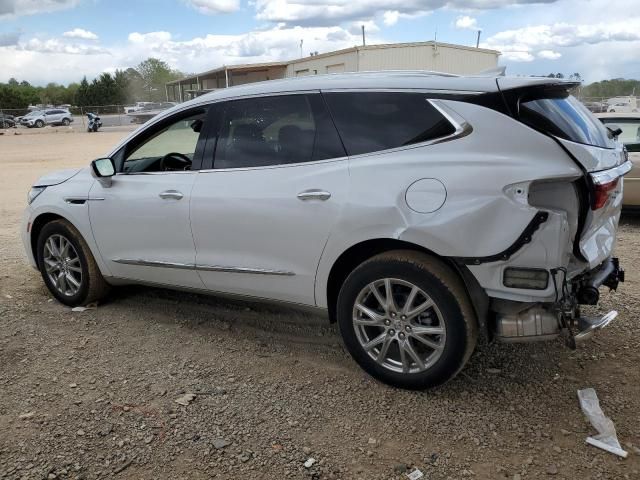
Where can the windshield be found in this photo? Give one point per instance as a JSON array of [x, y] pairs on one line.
[[33, 114], [564, 116]]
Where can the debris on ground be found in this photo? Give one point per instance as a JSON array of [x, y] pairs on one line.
[[415, 474], [185, 399], [26, 416], [309, 463], [220, 443], [606, 438]]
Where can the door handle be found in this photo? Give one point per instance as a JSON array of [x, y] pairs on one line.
[[171, 195], [314, 195]]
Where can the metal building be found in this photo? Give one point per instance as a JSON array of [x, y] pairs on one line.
[[435, 56]]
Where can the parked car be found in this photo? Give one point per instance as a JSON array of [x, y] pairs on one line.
[[629, 125], [136, 107], [596, 107], [40, 118], [7, 121], [418, 210], [622, 107]]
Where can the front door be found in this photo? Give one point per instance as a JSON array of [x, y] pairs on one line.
[[262, 216], [141, 222]]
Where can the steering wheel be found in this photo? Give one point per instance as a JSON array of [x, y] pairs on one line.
[[175, 161]]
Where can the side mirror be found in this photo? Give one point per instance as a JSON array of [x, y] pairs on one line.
[[103, 167]]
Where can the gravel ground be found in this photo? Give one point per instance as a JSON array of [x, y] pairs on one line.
[[93, 394]]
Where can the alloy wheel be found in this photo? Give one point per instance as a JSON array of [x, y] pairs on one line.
[[62, 264], [399, 326]]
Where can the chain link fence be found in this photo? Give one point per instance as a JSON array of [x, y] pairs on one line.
[[111, 115]]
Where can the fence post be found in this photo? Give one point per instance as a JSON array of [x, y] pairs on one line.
[[82, 116]]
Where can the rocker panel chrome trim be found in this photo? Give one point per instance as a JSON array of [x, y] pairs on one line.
[[205, 268]]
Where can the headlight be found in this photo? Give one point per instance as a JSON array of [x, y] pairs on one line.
[[33, 193]]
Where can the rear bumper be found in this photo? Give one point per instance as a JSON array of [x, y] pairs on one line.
[[522, 322]]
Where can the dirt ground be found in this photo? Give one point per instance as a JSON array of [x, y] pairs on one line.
[[92, 394]]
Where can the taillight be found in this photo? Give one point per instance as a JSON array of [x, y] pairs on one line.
[[601, 193]]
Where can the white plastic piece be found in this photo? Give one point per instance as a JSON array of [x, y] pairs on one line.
[[309, 463], [415, 475], [606, 438]]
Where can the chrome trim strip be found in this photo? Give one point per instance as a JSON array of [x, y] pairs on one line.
[[153, 263], [606, 176], [81, 200], [205, 268], [257, 271]]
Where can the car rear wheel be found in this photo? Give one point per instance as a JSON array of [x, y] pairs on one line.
[[39, 124], [66, 122], [406, 318], [67, 265]]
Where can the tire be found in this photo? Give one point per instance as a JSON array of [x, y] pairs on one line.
[[39, 124], [91, 284], [66, 122], [450, 323], [612, 111], [95, 128]]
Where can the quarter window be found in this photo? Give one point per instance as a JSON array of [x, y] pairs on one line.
[[630, 135], [276, 130], [373, 121]]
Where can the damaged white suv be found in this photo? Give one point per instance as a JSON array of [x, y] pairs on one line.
[[420, 210]]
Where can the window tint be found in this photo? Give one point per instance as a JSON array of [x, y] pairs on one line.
[[275, 130], [179, 138], [369, 122], [565, 117]]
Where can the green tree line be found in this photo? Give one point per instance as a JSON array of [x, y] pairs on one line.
[[145, 82]]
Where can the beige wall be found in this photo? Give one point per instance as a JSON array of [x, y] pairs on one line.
[[240, 78], [343, 62], [427, 57], [420, 57]]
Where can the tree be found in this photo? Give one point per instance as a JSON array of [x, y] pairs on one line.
[[154, 74]]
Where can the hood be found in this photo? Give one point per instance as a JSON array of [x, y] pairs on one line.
[[55, 178]]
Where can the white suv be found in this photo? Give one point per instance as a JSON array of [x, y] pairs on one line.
[[53, 116], [419, 210]]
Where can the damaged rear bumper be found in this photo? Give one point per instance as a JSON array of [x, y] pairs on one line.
[[521, 322]]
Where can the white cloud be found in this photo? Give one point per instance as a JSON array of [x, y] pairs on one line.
[[80, 33], [466, 22], [544, 41], [212, 7], [67, 62], [54, 45], [11, 8], [335, 12], [549, 54]]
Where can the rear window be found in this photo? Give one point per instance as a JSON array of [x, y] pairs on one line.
[[374, 121], [564, 116]]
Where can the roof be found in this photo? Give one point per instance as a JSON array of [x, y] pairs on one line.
[[384, 46], [234, 68], [390, 79]]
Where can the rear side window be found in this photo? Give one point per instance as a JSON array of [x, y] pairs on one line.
[[563, 116], [374, 121], [276, 130], [630, 135]]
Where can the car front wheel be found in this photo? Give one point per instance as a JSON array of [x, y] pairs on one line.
[[67, 265], [66, 122], [406, 318], [39, 124]]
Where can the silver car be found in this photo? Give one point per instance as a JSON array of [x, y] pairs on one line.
[[420, 211], [52, 116]]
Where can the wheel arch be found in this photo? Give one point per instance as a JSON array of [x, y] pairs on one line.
[[353, 256], [36, 227]]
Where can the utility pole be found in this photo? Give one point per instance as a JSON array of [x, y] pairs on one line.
[[301, 42], [364, 43], [478, 39]]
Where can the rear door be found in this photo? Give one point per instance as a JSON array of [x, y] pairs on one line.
[[262, 215]]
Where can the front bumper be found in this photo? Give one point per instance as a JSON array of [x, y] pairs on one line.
[[25, 235]]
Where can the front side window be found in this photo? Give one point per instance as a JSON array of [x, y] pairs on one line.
[[169, 149], [563, 116], [374, 121], [275, 130]]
